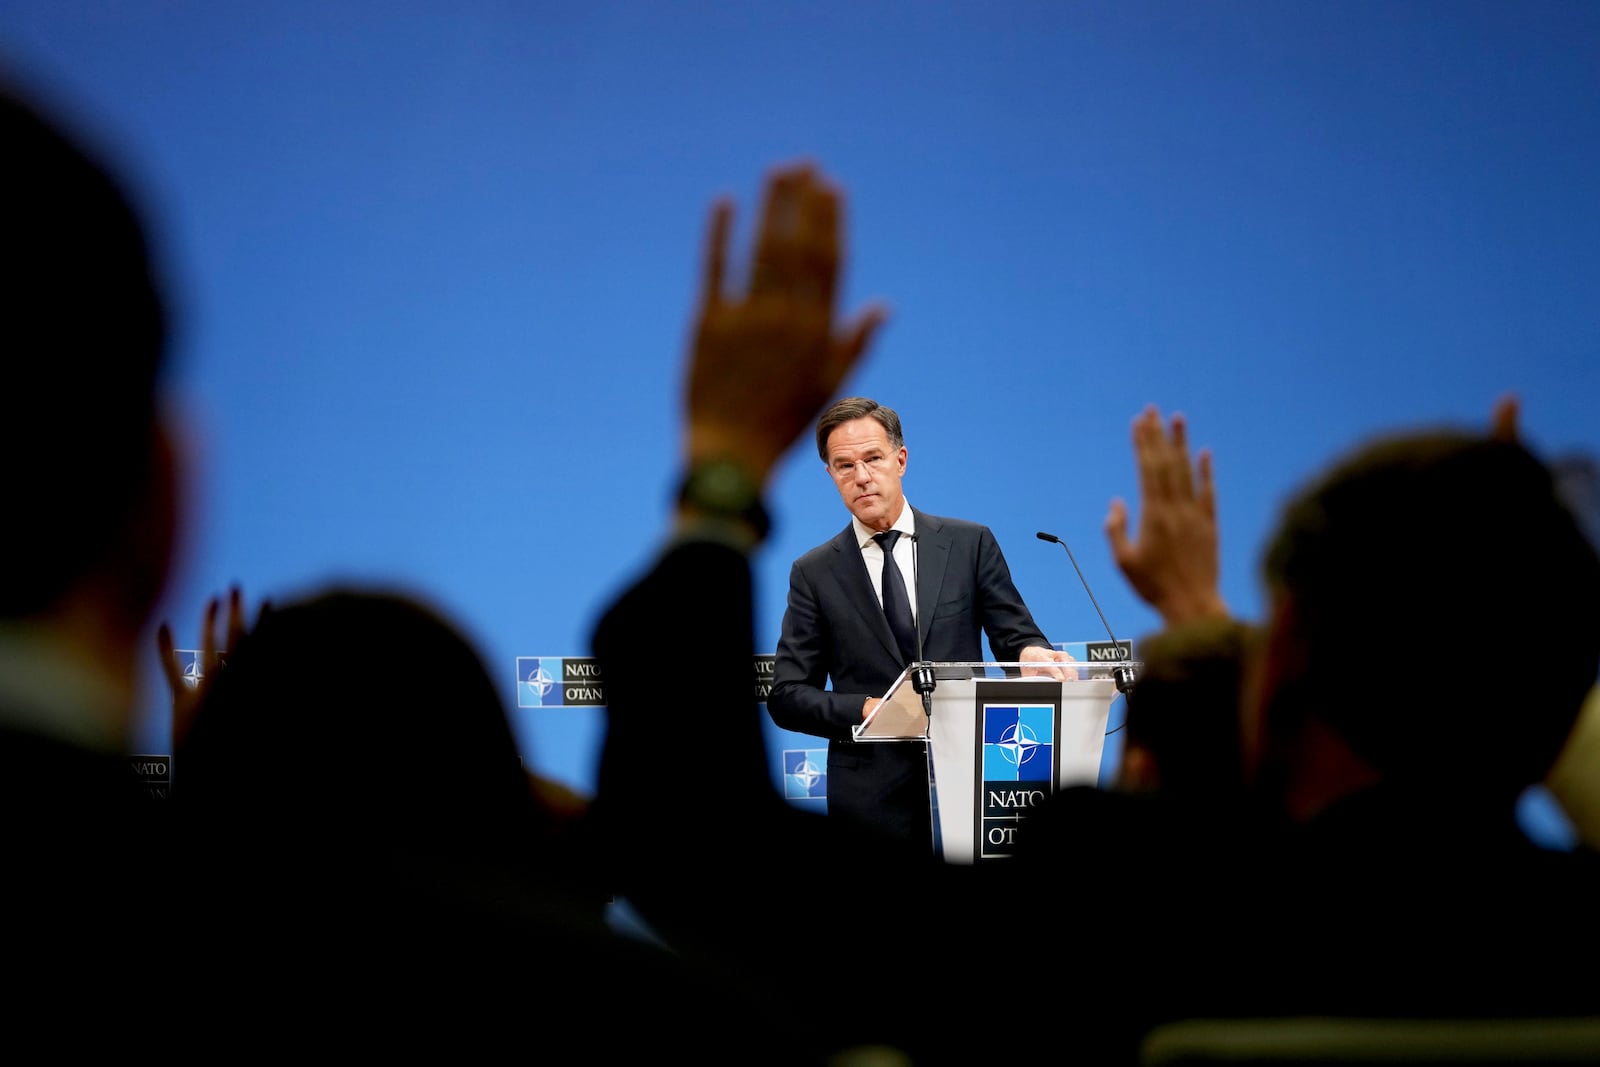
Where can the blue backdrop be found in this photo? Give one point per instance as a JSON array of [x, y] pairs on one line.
[[435, 262]]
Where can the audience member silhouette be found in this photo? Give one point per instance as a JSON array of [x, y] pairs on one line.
[[561, 802], [1400, 779], [1173, 561], [1182, 724], [356, 807], [287, 745], [1174, 566], [1574, 781], [1181, 731], [91, 473], [1379, 836]]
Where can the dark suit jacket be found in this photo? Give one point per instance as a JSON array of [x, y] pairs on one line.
[[834, 630]]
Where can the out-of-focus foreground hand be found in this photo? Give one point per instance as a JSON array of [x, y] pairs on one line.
[[187, 693], [1048, 657], [767, 356], [1173, 565], [1503, 419], [565, 804]]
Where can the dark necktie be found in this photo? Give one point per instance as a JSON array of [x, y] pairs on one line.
[[896, 603]]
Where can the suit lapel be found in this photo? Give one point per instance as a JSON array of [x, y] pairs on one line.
[[850, 570], [933, 556]]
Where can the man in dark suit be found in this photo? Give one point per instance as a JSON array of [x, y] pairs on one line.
[[837, 628]]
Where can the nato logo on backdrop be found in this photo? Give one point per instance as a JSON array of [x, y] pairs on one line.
[[574, 681], [559, 682], [154, 773], [537, 683], [805, 773], [764, 666], [192, 664]]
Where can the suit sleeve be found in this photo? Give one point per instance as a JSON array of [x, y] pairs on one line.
[[799, 699], [704, 592], [1005, 618], [721, 888]]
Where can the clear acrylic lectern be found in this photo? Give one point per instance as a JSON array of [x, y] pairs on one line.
[[999, 741]]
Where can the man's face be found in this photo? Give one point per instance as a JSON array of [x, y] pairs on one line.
[[867, 471]]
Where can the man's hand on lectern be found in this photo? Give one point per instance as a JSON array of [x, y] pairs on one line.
[[1048, 658]]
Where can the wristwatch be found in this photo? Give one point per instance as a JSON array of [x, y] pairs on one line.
[[721, 489]]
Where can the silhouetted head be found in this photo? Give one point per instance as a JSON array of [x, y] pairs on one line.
[[351, 798], [1436, 604], [362, 721], [85, 333], [1182, 732]]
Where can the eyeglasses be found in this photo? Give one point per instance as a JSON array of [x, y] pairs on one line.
[[845, 470]]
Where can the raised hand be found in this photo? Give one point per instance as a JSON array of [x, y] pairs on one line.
[[186, 698], [768, 356], [1173, 565]]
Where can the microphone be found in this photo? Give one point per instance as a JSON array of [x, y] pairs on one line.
[[922, 671], [1121, 674]]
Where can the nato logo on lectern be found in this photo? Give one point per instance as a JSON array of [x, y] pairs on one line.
[[805, 773], [1018, 760]]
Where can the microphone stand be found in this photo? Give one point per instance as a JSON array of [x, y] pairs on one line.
[[922, 671], [1122, 674], [923, 682]]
